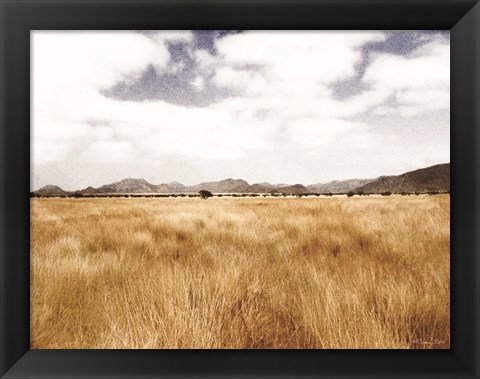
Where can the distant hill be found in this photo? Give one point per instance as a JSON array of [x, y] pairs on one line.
[[129, 186], [89, 191], [295, 189], [338, 186], [261, 188], [170, 187], [431, 179], [223, 186], [51, 190]]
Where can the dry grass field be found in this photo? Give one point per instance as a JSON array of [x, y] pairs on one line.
[[322, 273]]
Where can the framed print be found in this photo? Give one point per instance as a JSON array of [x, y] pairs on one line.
[[230, 188], [263, 263]]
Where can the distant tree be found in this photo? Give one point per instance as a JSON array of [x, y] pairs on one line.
[[350, 193], [204, 194], [386, 193], [328, 194]]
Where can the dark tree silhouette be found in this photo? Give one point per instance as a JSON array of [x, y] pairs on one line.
[[204, 194]]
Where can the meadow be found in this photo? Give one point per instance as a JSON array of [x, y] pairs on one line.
[[243, 273]]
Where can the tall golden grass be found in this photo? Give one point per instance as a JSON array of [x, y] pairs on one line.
[[322, 273]]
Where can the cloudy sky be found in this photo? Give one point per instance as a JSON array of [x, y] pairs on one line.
[[276, 106]]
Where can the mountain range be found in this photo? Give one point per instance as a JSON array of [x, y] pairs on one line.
[[431, 179]]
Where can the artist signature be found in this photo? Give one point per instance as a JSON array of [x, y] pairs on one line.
[[432, 342]]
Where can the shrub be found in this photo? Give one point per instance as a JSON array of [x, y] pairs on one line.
[[204, 194]]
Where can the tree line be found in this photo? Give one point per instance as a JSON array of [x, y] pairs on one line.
[[204, 194]]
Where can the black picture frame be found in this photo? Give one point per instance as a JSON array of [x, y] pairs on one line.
[[18, 17]]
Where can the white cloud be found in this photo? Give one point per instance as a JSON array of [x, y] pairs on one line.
[[247, 81], [198, 83], [69, 70], [109, 151], [172, 35], [426, 68], [90, 60], [289, 74], [313, 135], [319, 56], [204, 59], [297, 62], [420, 82]]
